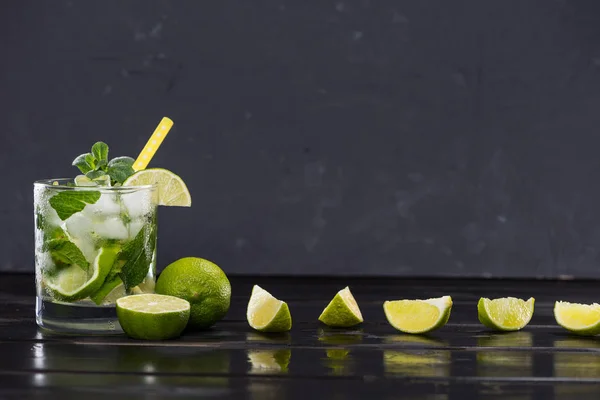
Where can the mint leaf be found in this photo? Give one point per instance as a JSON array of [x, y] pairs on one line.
[[81, 163], [100, 152], [120, 173], [68, 203], [94, 174], [137, 257], [66, 252], [91, 160], [120, 168], [127, 161]]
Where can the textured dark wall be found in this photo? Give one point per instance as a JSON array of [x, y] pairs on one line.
[[323, 137]]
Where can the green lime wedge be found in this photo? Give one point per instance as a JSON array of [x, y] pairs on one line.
[[342, 311], [172, 190], [153, 316], [73, 283], [418, 316], [110, 291], [582, 319], [266, 313], [505, 314]]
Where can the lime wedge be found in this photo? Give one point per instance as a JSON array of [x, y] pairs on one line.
[[172, 191], [582, 319], [73, 283], [266, 313], [342, 311], [505, 314], [110, 291], [153, 316], [418, 316]]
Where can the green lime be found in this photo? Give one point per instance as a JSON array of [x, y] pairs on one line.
[[172, 190], [418, 316], [200, 282], [505, 314], [153, 316], [582, 319], [74, 283], [267, 314], [110, 291], [342, 311]]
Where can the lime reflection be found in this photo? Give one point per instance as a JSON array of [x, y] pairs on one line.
[[582, 362], [338, 359], [498, 363]]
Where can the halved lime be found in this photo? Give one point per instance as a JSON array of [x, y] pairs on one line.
[[172, 191], [342, 311], [582, 319], [418, 316], [110, 291], [505, 314], [73, 283], [266, 313], [153, 316]]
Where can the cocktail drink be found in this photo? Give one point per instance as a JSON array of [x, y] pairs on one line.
[[93, 245], [95, 236]]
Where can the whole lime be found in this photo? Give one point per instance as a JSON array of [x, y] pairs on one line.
[[203, 284]]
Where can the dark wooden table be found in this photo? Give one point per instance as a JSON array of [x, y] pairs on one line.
[[463, 360]]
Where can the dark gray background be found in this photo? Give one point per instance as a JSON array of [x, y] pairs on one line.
[[323, 137]]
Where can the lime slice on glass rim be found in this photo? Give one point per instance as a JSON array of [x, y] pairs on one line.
[[418, 316], [581, 319], [153, 316], [267, 314], [342, 311], [505, 314], [172, 190], [74, 283]]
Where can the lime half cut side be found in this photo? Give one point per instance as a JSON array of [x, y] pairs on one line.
[[505, 314], [342, 311], [73, 283], [266, 313], [581, 319], [153, 316], [418, 316], [172, 190]]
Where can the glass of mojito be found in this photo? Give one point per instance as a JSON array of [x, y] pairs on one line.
[[95, 241]]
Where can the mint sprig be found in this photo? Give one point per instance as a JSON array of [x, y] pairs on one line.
[[95, 165]]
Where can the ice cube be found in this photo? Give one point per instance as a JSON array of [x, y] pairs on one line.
[[51, 218], [106, 205], [87, 247], [137, 203], [79, 226], [134, 227], [111, 228]]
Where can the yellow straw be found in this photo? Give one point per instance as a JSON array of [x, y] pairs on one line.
[[153, 143]]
